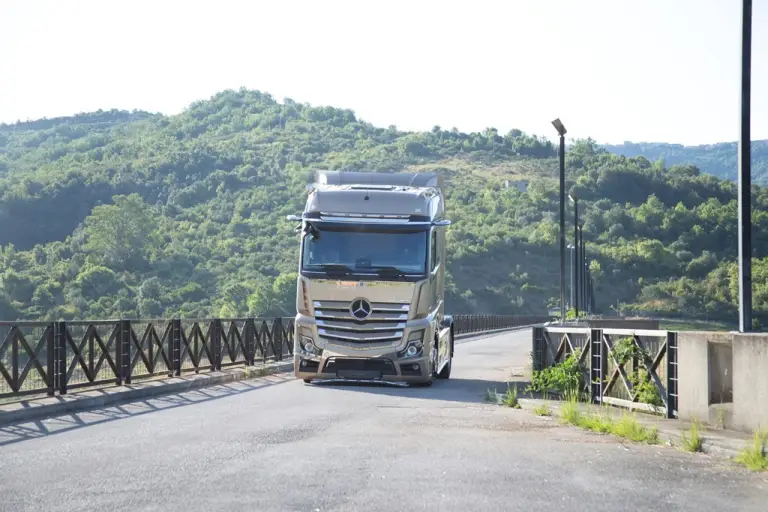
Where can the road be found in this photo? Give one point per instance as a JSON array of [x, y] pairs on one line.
[[278, 444]]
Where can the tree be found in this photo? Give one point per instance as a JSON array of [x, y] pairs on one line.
[[120, 233]]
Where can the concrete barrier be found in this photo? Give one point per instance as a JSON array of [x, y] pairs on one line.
[[723, 377]]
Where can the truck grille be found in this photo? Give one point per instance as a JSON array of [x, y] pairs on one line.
[[384, 324]]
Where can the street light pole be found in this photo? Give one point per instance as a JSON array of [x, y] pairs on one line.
[[745, 174], [582, 257], [562, 131], [575, 200], [574, 265]]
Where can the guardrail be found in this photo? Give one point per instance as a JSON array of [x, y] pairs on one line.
[[464, 324], [55, 357], [631, 368], [37, 357]]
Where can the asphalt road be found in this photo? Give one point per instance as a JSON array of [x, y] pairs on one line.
[[278, 444]]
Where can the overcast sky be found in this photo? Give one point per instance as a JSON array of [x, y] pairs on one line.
[[615, 70]]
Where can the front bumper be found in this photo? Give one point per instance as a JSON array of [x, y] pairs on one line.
[[384, 368]]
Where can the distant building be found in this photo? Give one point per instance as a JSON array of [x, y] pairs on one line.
[[521, 185]]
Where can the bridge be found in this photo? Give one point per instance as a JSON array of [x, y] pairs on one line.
[[261, 440]]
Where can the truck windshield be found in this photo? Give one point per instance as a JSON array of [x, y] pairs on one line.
[[366, 252]]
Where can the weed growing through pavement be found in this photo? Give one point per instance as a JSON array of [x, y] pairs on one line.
[[754, 457], [693, 443], [626, 427], [510, 397]]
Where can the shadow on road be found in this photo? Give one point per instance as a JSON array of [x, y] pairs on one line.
[[453, 390], [18, 432]]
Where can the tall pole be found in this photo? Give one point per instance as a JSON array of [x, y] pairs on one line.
[[582, 255], [576, 243], [745, 174], [562, 226], [574, 266]]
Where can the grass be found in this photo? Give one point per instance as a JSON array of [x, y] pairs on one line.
[[754, 457], [490, 396], [693, 443], [543, 410], [510, 398], [264, 371], [694, 325], [626, 427]]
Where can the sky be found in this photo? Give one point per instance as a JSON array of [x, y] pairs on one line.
[[613, 70]]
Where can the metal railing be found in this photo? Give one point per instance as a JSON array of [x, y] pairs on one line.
[[55, 357], [631, 368], [464, 324]]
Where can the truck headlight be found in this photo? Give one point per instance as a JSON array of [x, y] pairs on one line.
[[415, 345], [308, 345]]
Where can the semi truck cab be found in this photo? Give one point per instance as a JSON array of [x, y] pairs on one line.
[[370, 293]]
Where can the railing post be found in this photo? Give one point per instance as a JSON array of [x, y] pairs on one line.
[[277, 338], [672, 377], [50, 345], [216, 343], [250, 341], [60, 336], [119, 354], [538, 338], [596, 365], [175, 355], [124, 356]]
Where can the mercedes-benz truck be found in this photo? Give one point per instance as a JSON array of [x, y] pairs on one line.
[[371, 286]]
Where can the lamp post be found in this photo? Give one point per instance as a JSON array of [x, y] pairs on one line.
[[745, 174], [582, 254], [562, 131], [574, 266], [575, 283]]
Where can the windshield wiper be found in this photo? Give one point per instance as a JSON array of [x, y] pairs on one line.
[[383, 270], [333, 267]]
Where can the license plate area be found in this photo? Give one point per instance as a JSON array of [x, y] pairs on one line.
[[359, 374]]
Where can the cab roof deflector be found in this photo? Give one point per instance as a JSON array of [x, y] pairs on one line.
[[418, 180]]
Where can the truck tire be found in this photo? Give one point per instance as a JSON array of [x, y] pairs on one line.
[[446, 371]]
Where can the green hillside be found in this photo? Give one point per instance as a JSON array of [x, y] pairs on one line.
[[720, 160], [118, 214]]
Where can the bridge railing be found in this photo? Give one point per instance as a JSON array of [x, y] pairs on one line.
[[633, 368], [465, 324], [55, 357], [38, 357]]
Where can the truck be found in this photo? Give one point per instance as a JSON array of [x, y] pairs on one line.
[[370, 291]]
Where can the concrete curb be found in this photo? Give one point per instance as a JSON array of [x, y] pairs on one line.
[[712, 444], [22, 412]]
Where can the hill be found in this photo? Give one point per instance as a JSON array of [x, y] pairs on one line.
[[720, 160], [140, 215]]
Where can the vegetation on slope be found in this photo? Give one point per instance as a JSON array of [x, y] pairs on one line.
[[117, 214], [717, 159]]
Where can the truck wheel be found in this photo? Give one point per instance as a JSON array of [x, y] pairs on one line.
[[446, 371], [307, 381]]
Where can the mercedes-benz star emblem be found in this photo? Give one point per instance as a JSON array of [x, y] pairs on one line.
[[360, 309]]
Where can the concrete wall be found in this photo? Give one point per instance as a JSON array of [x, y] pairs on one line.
[[624, 323], [723, 370], [693, 375], [750, 381]]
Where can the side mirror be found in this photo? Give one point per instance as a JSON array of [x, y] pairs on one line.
[[441, 223], [294, 218]]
